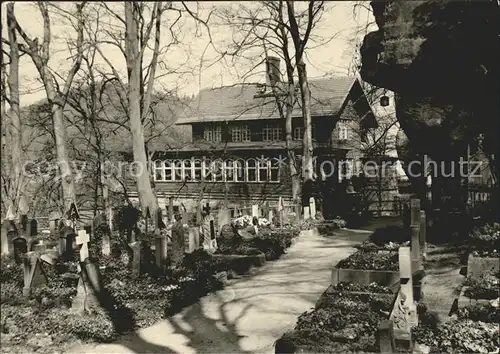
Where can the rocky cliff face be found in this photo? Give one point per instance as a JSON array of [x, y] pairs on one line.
[[442, 60]]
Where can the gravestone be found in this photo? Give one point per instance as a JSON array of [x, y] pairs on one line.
[[223, 218], [194, 238], [255, 211], [404, 314], [66, 239], [265, 210], [83, 239], [281, 210], [414, 211], [212, 230], [423, 234], [312, 207], [227, 232], [32, 228], [23, 223], [255, 223], [307, 214], [9, 233], [20, 246], [135, 247], [270, 215], [89, 285], [34, 274], [416, 259], [171, 209]]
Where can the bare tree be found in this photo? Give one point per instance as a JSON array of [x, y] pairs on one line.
[[13, 117], [40, 55], [267, 26]]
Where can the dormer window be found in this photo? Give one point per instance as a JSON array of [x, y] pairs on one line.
[[213, 133]]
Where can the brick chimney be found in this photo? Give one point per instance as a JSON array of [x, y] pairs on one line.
[[273, 71]]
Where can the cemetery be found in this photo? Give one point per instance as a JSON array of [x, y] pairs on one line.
[[68, 281], [250, 177]]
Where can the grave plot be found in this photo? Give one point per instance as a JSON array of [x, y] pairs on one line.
[[345, 319], [484, 253]]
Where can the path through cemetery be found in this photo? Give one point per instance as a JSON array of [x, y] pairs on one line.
[[253, 311]]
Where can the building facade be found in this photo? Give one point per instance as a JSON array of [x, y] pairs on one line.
[[238, 149]]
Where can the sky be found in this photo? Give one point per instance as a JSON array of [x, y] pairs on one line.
[[192, 56]]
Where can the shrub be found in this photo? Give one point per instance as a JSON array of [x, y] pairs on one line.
[[459, 336], [484, 287], [371, 261], [346, 322], [481, 312]]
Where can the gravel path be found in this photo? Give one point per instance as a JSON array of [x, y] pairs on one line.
[[252, 312]]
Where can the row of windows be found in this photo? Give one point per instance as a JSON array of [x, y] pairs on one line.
[[250, 170], [242, 133]]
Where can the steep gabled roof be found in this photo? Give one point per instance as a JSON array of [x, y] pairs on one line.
[[239, 103]]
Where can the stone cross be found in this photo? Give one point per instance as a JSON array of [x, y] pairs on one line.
[[312, 207], [82, 239]]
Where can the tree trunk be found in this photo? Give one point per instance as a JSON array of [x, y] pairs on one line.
[[307, 155], [292, 162], [14, 126], [147, 198], [57, 103]]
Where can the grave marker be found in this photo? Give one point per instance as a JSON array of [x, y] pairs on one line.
[[32, 228], [423, 234], [312, 207], [270, 215], [136, 258], [66, 239], [307, 215], [404, 314], [414, 211], [82, 239], [255, 211], [280, 210], [34, 274], [223, 218], [160, 255], [170, 209], [416, 259], [20, 245]]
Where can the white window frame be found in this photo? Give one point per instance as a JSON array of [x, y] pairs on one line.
[[239, 165], [187, 168], [197, 165], [263, 165], [248, 168], [159, 166], [240, 133], [213, 133], [272, 132], [217, 167], [274, 164], [178, 170], [229, 167]]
